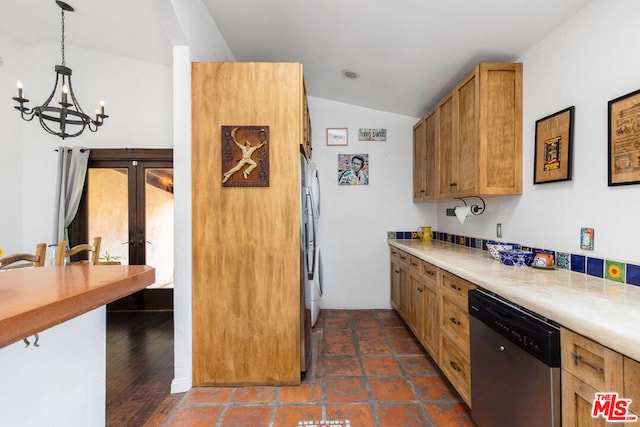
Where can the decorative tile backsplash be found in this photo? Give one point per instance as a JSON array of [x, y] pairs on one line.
[[606, 268]]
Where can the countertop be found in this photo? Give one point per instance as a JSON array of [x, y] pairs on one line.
[[605, 311], [34, 299]]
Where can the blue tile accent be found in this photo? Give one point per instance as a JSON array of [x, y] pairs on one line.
[[633, 274], [577, 263], [563, 260], [595, 267]]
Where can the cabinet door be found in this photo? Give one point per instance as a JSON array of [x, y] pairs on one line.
[[577, 402], [417, 305], [395, 284], [466, 155], [446, 141], [500, 128], [632, 383], [431, 155], [431, 334], [419, 163]]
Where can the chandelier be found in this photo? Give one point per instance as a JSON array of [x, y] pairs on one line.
[[64, 118]]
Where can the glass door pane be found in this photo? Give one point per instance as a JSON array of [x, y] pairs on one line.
[[159, 224], [108, 217]]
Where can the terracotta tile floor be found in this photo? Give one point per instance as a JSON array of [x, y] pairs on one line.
[[369, 370]]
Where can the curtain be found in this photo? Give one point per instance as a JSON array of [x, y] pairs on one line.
[[72, 171]]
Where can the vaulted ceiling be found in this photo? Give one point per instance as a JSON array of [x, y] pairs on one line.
[[407, 53]]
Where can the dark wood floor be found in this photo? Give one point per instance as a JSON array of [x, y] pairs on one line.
[[139, 367]]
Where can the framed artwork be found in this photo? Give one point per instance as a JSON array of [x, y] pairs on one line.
[[553, 147], [353, 169], [624, 140], [245, 156], [337, 136], [372, 134]]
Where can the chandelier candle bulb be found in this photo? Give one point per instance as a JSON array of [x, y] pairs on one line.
[[102, 106], [19, 85], [65, 91]]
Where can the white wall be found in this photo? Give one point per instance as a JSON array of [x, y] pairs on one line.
[[138, 101], [10, 150], [585, 63], [354, 219]]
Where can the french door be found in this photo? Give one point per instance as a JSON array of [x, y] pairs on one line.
[[128, 201]]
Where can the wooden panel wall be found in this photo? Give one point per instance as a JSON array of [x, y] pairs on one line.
[[246, 241]]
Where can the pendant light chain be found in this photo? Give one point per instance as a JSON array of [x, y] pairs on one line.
[[62, 43]]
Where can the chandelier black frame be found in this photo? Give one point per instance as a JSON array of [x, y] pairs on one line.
[[69, 116]]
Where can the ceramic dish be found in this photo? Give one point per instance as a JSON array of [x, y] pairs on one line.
[[494, 248], [516, 257]]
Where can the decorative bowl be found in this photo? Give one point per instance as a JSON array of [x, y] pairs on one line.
[[516, 257], [495, 248]]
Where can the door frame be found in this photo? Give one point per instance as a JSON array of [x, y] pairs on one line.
[[101, 157]]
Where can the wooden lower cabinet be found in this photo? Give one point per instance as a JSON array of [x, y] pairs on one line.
[[589, 368], [454, 354], [431, 332], [433, 303]]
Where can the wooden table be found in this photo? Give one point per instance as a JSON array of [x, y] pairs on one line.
[[34, 299]]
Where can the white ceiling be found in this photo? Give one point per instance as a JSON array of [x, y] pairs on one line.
[[408, 53]]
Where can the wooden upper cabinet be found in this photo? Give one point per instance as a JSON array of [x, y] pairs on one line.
[[419, 162], [479, 134], [446, 148], [465, 158], [425, 158]]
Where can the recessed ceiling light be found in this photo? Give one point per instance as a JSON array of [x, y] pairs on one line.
[[350, 74]]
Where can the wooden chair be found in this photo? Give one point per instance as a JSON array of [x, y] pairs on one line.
[[94, 249], [28, 260]]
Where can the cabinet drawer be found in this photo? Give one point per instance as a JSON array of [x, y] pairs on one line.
[[457, 370], [591, 362], [429, 272], [394, 253], [456, 289], [414, 263], [455, 326], [403, 258]]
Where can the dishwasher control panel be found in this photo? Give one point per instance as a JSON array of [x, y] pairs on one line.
[[535, 334]]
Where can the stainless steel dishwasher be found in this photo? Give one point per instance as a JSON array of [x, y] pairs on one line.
[[515, 364]]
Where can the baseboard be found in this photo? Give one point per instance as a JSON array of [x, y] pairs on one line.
[[180, 385]]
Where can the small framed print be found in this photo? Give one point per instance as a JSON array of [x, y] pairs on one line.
[[553, 145], [337, 136], [372, 134], [624, 140]]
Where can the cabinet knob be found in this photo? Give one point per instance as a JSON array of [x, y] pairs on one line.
[[455, 288], [454, 365], [453, 184], [454, 321]]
